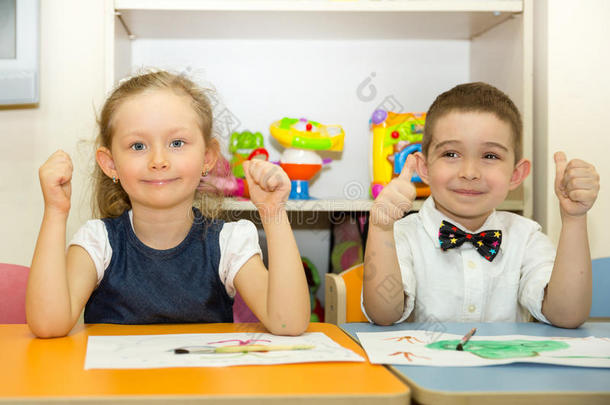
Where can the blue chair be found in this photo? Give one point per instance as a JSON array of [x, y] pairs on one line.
[[601, 289]]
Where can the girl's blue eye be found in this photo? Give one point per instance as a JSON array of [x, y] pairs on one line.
[[138, 146], [177, 143]]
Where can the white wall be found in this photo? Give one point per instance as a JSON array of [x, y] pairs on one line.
[[71, 90], [572, 104], [247, 74]]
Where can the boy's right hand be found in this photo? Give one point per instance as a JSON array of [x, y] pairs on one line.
[[55, 180], [395, 199]]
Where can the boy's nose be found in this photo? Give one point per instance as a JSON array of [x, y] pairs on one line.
[[470, 170]]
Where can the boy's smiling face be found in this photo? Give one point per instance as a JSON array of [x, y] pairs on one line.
[[470, 166]]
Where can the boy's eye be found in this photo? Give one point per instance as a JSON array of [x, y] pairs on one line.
[[138, 146], [450, 154], [491, 156], [177, 143]]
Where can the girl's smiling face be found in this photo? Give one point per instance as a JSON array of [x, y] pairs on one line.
[[158, 151], [470, 166]]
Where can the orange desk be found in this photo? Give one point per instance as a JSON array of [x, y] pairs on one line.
[[35, 370]]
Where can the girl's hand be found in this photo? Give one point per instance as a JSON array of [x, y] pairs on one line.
[[576, 185], [268, 184], [395, 199], [55, 181]]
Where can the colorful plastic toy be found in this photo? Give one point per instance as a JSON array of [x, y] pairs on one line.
[[395, 136], [244, 146], [313, 281], [302, 138], [222, 179]]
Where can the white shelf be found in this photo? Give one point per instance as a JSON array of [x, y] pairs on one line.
[[322, 5], [413, 19], [231, 204]]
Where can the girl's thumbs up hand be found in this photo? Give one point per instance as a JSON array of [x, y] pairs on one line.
[[576, 185], [56, 182], [395, 199]]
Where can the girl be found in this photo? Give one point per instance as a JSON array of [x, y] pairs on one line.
[[153, 257]]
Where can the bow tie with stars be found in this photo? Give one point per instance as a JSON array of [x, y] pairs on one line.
[[487, 243]]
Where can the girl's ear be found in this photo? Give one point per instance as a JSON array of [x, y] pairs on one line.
[[421, 166], [103, 156], [212, 150], [520, 172]]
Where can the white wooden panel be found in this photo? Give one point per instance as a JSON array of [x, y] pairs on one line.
[[386, 23], [309, 5], [498, 57]]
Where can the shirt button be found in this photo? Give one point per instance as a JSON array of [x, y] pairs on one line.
[[472, 308], [471, 264]]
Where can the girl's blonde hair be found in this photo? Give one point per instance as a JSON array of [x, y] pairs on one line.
[[109, 198]]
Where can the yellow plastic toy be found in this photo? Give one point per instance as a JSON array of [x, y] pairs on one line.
[[302, 138], [395, 136], [306, 134]]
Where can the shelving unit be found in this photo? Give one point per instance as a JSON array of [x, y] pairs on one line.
[[343, 59], [232, 204], [334, 62]]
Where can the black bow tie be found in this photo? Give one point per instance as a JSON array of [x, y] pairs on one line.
[[486, 242]]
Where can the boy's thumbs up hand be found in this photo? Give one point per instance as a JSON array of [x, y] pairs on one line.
[[408, 169], [395, 199], [576, 185]]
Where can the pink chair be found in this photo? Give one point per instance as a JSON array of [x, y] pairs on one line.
[[13, 280], [241, 312]]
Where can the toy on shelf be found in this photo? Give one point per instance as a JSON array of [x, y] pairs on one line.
[[395, 136], [221, 179], [313, 281], [302, 138], [244, 146]]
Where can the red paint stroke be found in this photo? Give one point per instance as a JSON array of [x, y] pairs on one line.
[[407, 338], [408, 355], [241, 342]]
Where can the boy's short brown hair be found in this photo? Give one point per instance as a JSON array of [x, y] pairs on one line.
[[474, 97]]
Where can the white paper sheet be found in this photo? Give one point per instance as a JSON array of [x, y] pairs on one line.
[[156, 351], [427, 348]]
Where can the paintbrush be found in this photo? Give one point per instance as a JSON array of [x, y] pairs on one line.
[[465, 339], [240, 349]]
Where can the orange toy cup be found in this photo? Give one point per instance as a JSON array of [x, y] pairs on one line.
[[298, 171]]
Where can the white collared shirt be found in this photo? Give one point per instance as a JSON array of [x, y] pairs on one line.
[[459, 285]]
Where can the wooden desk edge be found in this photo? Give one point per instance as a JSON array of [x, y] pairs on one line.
[[428, 396], [399, 399]]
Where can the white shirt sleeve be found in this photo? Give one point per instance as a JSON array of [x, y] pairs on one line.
[[238, 243], [536, 270], [93, 237]]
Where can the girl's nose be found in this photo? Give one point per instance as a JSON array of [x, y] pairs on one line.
[[158, 161]]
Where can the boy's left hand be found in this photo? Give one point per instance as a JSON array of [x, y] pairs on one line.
[[576, 185], [268, 184]]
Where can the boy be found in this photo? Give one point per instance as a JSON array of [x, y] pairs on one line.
[[458, 259]]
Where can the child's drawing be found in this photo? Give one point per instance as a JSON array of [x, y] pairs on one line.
[[212, 350], [415, 347]]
